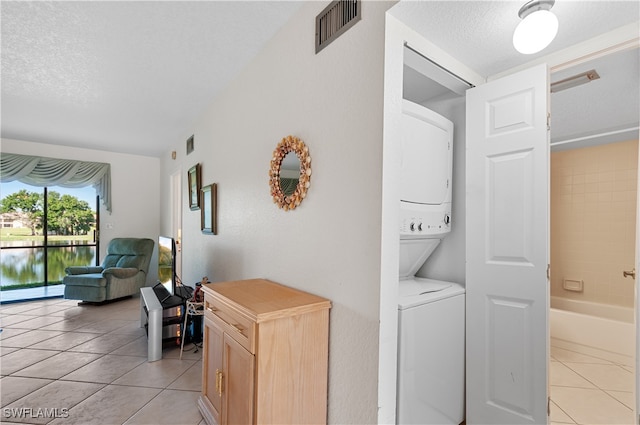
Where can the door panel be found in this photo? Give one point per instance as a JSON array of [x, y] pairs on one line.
[[212, 366], [239, 369], [507, 249], [509, 203]]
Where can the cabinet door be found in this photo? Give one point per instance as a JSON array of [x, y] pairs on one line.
[[212, 367], [237, 390]]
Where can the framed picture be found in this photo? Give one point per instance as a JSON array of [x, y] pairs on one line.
[[208, 210], [194, 187]]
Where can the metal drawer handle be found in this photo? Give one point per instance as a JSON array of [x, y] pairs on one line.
[[212, 310], [238, 327]]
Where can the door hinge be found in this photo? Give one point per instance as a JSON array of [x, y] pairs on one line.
[[548, 272], [548, 406], [548, 120]]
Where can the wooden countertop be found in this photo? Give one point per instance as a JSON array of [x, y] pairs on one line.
[[265, 300]]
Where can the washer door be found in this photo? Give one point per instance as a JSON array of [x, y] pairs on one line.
[[431, 363]]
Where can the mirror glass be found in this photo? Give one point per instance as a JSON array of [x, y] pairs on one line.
[[289, 173]]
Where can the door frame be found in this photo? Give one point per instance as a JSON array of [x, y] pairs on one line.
[[396, 35], [625, 38], [175, 201]]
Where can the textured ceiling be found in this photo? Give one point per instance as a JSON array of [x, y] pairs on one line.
[[478, 33], [123, 76], [602, 106], [133, 77]]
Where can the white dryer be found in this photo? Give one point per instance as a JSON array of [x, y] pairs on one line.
[[425, 185]]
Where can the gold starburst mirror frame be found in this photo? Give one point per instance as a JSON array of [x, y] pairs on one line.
[[290, 173]]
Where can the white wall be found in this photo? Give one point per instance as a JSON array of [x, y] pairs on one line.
[[135, 189], [329, 245]]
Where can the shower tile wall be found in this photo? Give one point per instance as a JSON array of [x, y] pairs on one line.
[[593, 221]]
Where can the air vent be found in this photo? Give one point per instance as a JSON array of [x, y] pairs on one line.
[[334, 20]]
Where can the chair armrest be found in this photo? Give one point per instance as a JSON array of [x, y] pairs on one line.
[[83, 270], [120, 272]]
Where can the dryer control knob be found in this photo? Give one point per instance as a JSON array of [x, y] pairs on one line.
[[447, 219], [412, 226], [420, 227]]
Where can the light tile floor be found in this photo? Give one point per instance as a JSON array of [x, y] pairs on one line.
[[88, 365], [589, 390]]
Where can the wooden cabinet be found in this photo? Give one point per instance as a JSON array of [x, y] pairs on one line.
[[265, 354]]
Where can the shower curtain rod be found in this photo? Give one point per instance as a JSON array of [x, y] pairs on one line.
[[457, 77], [593, 136]]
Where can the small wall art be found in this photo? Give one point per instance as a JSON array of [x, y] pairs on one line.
[[209, 209], [195, 184]]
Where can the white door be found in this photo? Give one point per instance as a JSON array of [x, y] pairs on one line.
[[507, 249]]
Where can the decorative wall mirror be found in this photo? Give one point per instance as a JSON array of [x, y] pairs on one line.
[[290, 173]]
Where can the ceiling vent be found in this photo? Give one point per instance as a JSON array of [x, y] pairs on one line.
[[334, 20]]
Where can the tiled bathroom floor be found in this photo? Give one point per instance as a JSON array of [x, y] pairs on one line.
[[589, 390], [88, 365]]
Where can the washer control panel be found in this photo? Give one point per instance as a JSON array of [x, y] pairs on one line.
[[414, 223]]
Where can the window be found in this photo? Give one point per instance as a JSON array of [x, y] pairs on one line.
[[45, 230]]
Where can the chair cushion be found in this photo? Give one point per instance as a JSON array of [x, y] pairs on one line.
[[129, 252], [121, 273], [133, 261], [83, 269], [92, 279], [111, 260]]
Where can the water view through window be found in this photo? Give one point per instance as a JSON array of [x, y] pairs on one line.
[[34, 251]]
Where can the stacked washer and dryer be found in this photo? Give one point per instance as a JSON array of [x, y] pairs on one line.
[[431, 313]]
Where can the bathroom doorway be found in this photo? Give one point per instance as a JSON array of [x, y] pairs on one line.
[[593, 186]]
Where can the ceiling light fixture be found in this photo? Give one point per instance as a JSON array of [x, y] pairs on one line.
[[574, 81], [538, 27]]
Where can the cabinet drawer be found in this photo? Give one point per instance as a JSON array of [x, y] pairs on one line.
[[235, 324]]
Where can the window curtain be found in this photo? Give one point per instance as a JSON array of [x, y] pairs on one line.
[[41, 171]]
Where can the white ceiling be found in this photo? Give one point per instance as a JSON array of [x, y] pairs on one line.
[[133, 77], [128, 76]]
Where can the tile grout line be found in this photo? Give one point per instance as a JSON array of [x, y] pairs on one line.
[[597, 387], [100, 333], [563, 411]]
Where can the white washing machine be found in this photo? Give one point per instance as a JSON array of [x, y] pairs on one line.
[[431, 352]]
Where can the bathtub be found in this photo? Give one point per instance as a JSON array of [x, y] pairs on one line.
[[592, 328]]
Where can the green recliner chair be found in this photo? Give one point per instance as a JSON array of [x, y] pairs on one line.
[[122, 273]]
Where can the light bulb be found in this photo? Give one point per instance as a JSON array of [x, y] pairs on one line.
[[535, 32]]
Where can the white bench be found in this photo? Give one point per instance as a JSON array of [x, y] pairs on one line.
[[152, 317]]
